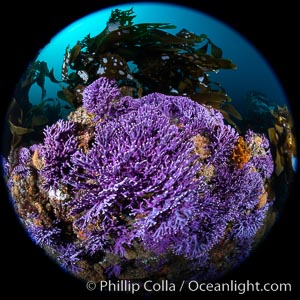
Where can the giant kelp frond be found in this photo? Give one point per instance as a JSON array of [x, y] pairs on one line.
[[123, 17], [163, 62], [23, 116], [143, 58]]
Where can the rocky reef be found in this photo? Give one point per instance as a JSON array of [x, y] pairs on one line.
[[129, 187]]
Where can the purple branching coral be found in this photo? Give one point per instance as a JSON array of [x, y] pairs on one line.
[[157, 175], [112, 271], [45, 236], [59, 145], [99, 97], [23, 163], [248, 224], [261, 156], [70, 256], [139, 176], [51, 237]]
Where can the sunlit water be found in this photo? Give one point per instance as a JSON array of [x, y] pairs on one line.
[[253, 72]]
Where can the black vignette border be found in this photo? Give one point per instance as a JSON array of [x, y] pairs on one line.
[[29, 26]]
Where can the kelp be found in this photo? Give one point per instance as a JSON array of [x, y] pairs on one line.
[[263, 115], [143, 58], [24, 117], [283, 141]]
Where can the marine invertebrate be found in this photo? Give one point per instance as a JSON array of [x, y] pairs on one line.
[[249, 223], [241, 153], [59, 144], [159, 178], [201, 146], [98, 97], [261, 157], [45, 236]]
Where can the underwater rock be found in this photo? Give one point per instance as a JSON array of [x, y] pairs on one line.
[[179, 185]]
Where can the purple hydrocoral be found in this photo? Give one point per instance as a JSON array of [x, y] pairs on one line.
[[141, 180], [70, 255], [51, 237], [45, 236], [24, 156], [59, 145], [94, 243], [22, 169], [23, 166], [249, 223], [120, 177], [151, 178], [99, 97], [113, 271], [261, 155]]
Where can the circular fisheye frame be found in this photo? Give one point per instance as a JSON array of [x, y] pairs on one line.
[[144, 144]]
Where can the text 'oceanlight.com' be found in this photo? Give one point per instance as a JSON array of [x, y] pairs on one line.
[[192, 286]]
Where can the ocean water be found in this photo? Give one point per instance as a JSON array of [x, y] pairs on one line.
[[253, 72]]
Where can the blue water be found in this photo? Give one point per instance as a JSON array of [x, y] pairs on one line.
[[253, 73]]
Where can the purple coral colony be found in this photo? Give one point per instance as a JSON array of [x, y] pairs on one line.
[[129, 187]]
